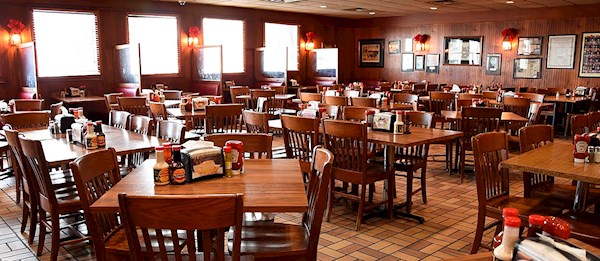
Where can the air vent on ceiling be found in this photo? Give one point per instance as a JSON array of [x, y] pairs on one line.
[[443, 2], [283, 1]]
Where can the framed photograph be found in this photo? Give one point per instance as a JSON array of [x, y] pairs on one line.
[[590, 55], [530, 45], [527, 68], [370, 52], [493, 64], [461, 50], [561, 51], [419, 62], [408, 60], [432, 63], [408, 45], [394, 47]]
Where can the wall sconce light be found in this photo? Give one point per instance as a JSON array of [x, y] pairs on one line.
[[508, 34], [420, 40], [16, 28], [193, 34], [310, 44]]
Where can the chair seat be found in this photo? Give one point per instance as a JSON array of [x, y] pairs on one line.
[[404, 162], [68, 202], [526, 207], [265, 239]]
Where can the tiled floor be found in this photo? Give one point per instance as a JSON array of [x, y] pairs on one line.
[[450, 218]]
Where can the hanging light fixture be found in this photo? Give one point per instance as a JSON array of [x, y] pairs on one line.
[[508, 34], [16, 28]]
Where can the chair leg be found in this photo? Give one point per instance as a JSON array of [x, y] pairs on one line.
[[42, 237], [390, 194], [24, 218], [462, 163], [478, 232], [330, 200], [409, 189], [449, 157], [423, 185], [361, 206], [371, 192], [32, 223], [55, 237]]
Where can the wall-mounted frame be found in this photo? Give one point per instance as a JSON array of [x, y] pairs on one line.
[[408, 60], [530, 45], [432, 63], [419, 62], [408, 45], [463, 50], [561, 51], [589, 66], [527, 68], [394, 47], [493, 64], [370, 53]]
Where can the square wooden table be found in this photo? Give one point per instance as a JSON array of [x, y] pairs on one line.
[[556, 160], [268, 186]]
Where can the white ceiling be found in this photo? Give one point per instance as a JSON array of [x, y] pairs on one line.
[[385, 8]]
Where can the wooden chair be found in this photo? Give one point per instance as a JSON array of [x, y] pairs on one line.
[[489, 149], [133, 105], [533, 97], [200, 213], [332, 111], [294, 242], [279, 89], [519, 106], [579, 124], [420, 89], [439, 101], [352, 93], [258, 145], [460, 103], [171, 131], [26, 120], [96, 173], [56, 109], [489, 95], [356, 113], [469, 96], [236, 91], [142, 125], [413, 158], [26, 104], [269, 95], [119, 119], [172, 94], [410, 100], [256, 122], [337, 100], [50, 202], [300, 136], [350, 165], [475, 120], [363, 102], [158, 111], [593, 120], [306, 97], [111, 100], [223, 118]]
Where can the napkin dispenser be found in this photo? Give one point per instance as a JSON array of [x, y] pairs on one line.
[[383, 121], [580, 91], [203, 163], [78, 135], [200, 103], [64, 121]]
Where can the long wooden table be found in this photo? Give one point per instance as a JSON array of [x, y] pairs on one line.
[[267, 185], [72, 100], [277, 96], [556, 160], [188, 116], [506, 116]]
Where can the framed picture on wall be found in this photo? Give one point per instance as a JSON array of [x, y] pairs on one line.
[[589, 66], [493, 64], [561, 51], [394, 47], [408, 45], [432, 63], [408, 60], [530, 45], [419, 62], [463, 50], [370, 53], [527, 68]]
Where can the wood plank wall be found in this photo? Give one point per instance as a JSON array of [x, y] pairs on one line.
[[112, 17], [542, 22]]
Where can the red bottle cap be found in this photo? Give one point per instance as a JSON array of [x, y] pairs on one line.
[[227, 149], [159, 148], [536, 220], [98, 122], [512, 221], [510, 212], [90, 124], [176, 147], [167, 145]]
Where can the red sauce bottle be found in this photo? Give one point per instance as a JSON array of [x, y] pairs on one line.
[[237, 154], [557, 227], [580, 148]]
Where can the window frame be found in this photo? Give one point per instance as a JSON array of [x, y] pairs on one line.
[[179, 42], [99, 36], [244, 44], [299, 37]]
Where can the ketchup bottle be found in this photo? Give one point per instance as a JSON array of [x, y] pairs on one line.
[[580, 149]]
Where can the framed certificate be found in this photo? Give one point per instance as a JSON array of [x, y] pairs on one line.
[[530, 45], [561, 51], [527, 68], [408, 62]]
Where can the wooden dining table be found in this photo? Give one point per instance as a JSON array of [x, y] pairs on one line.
[[268, 185], [556, 160], [506, 116], [78, 100], [189, 116], [277, 96]]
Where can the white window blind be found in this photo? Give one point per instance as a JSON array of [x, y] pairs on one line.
[[66, 43], [159, 43], [229, 34], [283, 35]]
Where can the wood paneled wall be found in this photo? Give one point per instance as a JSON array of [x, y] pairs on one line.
[[112, 17], [548, 21]]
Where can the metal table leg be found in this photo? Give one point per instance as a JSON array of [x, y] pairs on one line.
[[581, 193]]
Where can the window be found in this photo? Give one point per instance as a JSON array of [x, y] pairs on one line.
[[159, 43], [283, 35], [229, 34], [66, 43]]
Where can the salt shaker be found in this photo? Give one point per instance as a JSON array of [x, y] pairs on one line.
[[597, 154]]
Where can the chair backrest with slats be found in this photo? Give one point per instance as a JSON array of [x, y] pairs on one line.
[[579, 124], [469, 96], [318, 182], [489, 149], [533, 97], [363, 102], [305, 97], [357, 113], [223, 118], [593, 120], [94, 174], [420, 118], [256, 122], [336, 100], [202, 213], [490, 95], [348, 143], [133, 105], [235, 91], [405, 98], [519, 106], [158, 111], [111, 100], [475, 120], [26, 120], [440, 101], [27, 104], [300, 136], [56, 109], [34, 154], [533, 137], [257, 145], [171, 131], [142, 125], [22, 166], [460, 103], [279, 89], [119, 119], [172, 94]]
